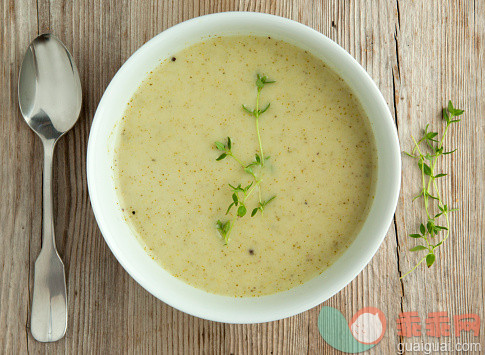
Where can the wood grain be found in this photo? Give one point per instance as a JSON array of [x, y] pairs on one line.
[[419, 53], [445, 63]]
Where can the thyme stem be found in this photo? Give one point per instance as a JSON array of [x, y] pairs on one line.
[[256, 115]]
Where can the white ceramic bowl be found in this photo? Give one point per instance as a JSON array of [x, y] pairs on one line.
[[127, 249]]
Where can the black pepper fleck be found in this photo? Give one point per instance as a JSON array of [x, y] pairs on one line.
[[133, 212], [174, 59], [251, 252]]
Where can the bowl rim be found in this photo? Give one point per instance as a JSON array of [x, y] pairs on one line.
[[394, 176]]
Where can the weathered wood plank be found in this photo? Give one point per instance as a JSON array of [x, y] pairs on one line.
[[419, 53], [18, 149], [441, 58]]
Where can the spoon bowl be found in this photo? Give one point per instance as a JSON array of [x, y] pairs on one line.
[[50, 98], [49, 88]]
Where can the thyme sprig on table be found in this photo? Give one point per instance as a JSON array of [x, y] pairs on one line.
[[426, 151], [240, 194]]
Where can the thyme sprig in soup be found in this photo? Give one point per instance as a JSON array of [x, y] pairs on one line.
[[321, 168], [255, 169]]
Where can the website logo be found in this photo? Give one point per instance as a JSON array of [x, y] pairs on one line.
[[366, 329]]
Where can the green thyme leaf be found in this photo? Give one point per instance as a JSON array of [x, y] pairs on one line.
[[422, 229], [264, 109], [247, 110], [249, 170], [222, 156], [229, 208], [220, 146], [418, 247], [450, 152], [430, 258], [425, 167], [241, 211]]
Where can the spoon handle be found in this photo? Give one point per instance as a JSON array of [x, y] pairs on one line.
[[49, 302]]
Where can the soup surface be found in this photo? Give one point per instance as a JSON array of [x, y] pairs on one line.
[[172, 191]]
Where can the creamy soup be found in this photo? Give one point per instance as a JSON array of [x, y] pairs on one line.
[[172, 191]]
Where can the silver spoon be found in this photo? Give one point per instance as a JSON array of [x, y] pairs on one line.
[[50, 101]]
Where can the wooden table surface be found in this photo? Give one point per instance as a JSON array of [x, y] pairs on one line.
[[419, 53]]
